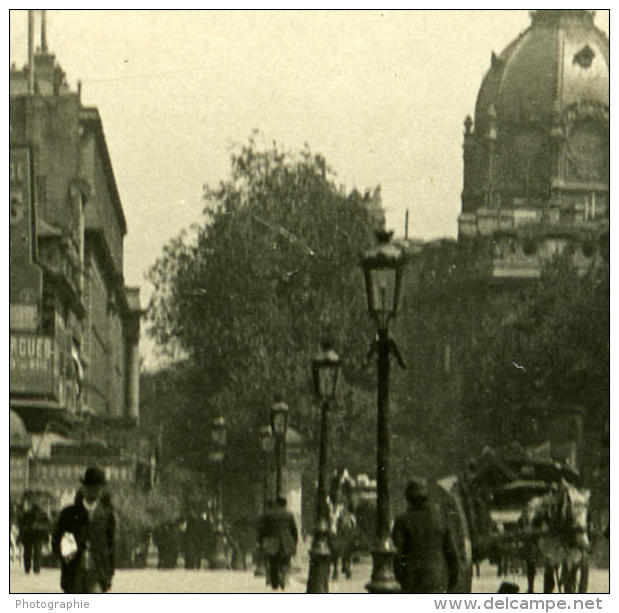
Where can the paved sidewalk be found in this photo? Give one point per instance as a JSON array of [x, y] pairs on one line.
[[151, 580]]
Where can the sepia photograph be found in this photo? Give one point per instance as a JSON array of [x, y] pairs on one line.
[[309, 302]]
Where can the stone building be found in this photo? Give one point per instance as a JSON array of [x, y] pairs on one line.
[[536, 186], [536, 156], [74, 325]]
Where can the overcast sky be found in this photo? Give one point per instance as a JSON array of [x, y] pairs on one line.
[[381, 94]]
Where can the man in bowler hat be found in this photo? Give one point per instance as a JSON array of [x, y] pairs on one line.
[[427, 559], [83, 538]]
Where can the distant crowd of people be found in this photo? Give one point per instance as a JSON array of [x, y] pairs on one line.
[[199, 536], [81, 538]]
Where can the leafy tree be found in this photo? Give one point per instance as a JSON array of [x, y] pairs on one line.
[[481, 354], [246, 297], [550, 348]]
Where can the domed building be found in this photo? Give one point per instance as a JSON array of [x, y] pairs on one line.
[[536, 156], [535, 189]]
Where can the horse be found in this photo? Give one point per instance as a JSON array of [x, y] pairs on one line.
[[342, 538], [556, 533]]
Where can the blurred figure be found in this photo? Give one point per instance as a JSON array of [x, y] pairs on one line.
[[427, 559], [83, 538], [243, 537], [166, 537], [278, 538], [34, 527], [193, 539]]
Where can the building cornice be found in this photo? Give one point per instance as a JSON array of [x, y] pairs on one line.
[[89, 117]]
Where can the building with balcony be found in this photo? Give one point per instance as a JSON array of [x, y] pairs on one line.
[[74, 325]]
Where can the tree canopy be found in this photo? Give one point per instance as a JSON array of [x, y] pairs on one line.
[[484, 354], [247, 295]]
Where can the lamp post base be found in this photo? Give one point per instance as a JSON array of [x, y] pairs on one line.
[[383, 580], [320, 556]]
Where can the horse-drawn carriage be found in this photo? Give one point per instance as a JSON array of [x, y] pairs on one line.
[[536, 516]]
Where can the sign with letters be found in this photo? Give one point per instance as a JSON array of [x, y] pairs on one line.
[[31, 363]]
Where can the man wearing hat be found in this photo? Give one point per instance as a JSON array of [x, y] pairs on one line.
[[427, 560], [83, 538], [278, 536]]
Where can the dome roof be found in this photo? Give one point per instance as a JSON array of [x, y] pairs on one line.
[[560, 60], [18, 434]]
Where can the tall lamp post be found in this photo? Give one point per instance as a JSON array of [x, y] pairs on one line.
[[382, 267], [279, 427], [216, 457], [325, 371], [266, 440]]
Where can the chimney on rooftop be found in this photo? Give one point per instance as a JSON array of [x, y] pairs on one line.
[[30, 51], [43, 31]]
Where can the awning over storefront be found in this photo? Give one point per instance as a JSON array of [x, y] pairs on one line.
[[18, 435]]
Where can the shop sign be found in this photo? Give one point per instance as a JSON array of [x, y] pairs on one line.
[[31, 363]]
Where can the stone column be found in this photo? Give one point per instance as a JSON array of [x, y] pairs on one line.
[[132, 407]]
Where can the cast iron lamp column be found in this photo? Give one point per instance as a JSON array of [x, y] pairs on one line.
[[218, 435], [265, 446], [279, 427], [325, 371], [382, 267]]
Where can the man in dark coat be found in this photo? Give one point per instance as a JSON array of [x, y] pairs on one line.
[[193, 539], [278, 538], [167, 538], [34, 527], [427, 559], [83, 538]]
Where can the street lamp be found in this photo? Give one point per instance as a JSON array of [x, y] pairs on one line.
[[279, 427], [216, 457], [325, 372], [265, 439], [382, 267]]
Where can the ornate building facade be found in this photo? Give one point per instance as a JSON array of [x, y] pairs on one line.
[[535, 189], [536, 156], [74, 325]]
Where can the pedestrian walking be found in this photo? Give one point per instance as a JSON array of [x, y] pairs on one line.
[[83, 538], [193, 539], [427, 559], [34, 527], [167, 537], [278, 539]]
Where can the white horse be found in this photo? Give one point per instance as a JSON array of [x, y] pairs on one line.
[[556, 527]]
